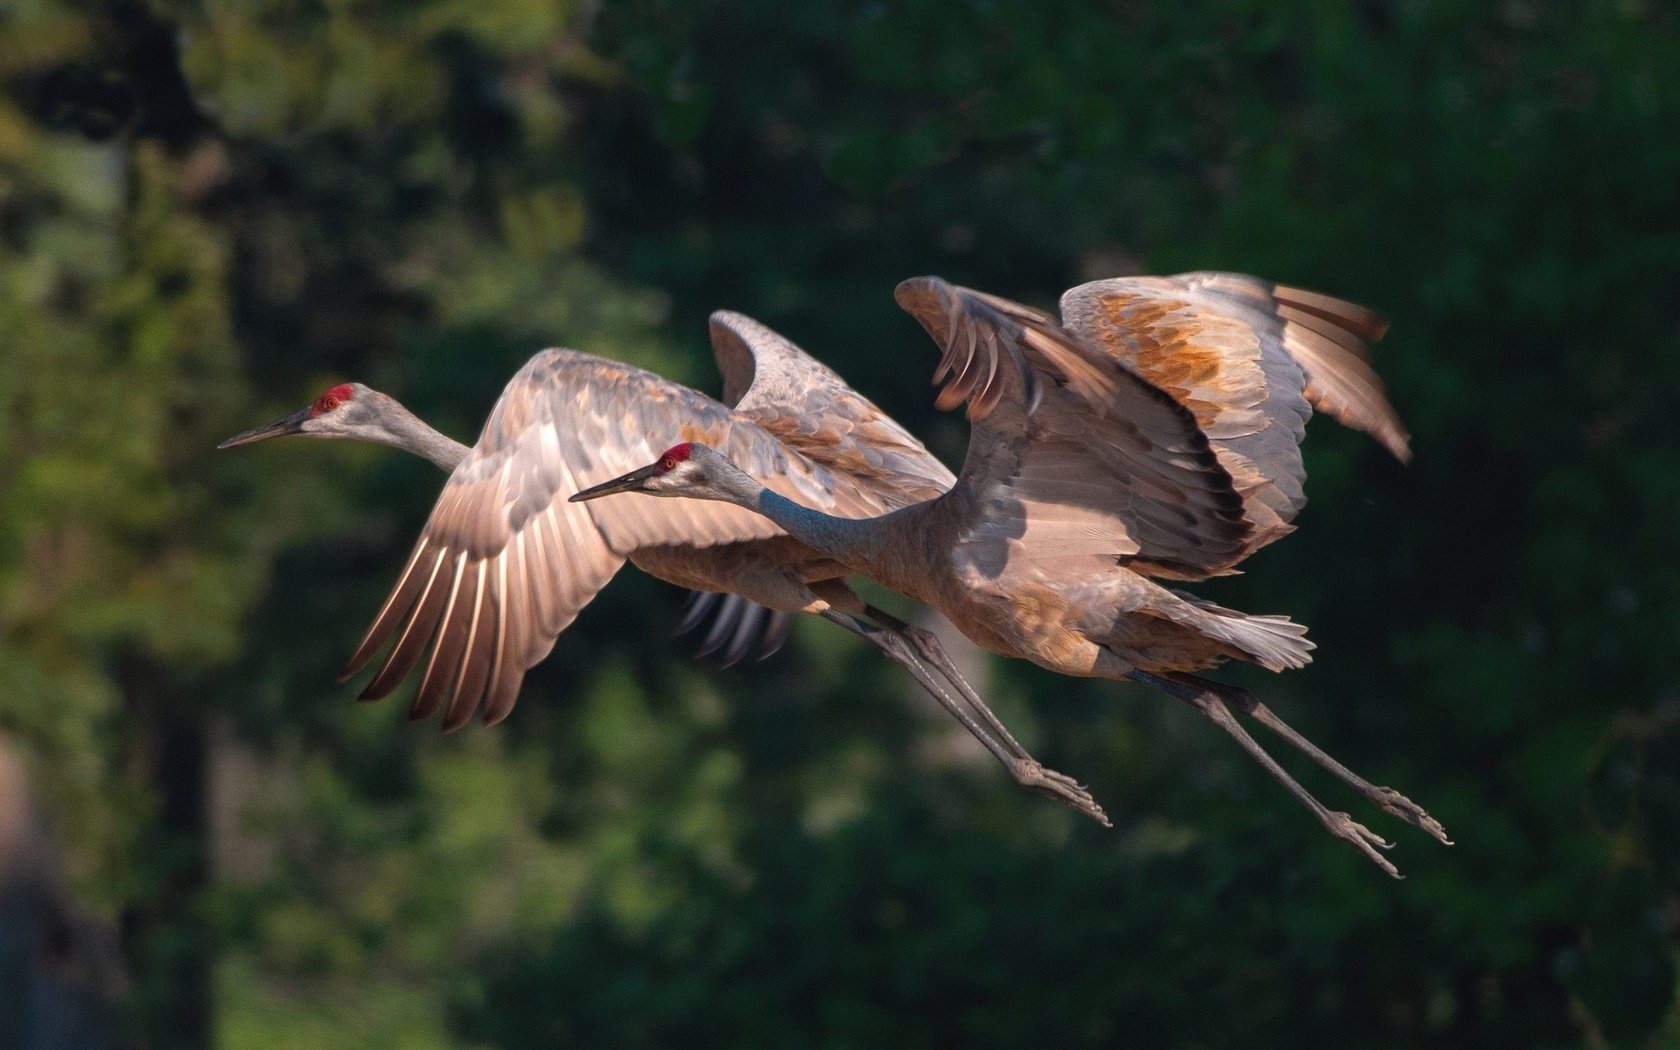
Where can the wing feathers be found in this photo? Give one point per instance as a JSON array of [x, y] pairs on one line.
[[505, 562], [446, 650], [475, 658], [409, 586], [502, 602], [1318, 326], [1075, 458], [415, 634], [1343, 385], [1251, 360], [1366, 324], [963, 322]]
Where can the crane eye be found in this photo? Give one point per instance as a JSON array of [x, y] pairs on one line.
[[668, 463], [332, 399]]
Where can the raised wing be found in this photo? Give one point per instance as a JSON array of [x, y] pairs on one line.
[[1330, 339], [1076, 462], [1235, 350], [505, 562], [811, 409], [1327, 337]]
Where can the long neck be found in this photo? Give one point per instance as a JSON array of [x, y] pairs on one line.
[[402, 429], [853, 542]]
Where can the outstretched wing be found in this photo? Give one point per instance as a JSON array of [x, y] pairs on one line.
[[505, 562], [1234, 350], [1076, 462]]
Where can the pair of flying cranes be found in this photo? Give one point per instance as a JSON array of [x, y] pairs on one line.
[[1152, 434]]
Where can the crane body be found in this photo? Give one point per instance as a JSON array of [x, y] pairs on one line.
[[1087, 481]]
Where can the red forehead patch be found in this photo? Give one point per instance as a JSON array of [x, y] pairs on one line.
[[332, 399], [678, 452]]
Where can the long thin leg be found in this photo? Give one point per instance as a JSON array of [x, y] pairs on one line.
[[1023, 767], [1390, 800], [927, 645], [1337, 823]]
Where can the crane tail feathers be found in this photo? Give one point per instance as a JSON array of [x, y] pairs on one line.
[[1276, 643]]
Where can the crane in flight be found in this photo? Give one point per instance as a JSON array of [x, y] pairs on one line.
[[353, 411], [1153, 434], [505, 562]]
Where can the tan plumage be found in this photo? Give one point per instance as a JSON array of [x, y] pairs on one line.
[[1154, 434], [1242, 355], [505, 562]]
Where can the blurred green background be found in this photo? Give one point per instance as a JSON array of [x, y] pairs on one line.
[[209, 213]]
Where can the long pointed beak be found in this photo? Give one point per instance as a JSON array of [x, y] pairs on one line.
[[631, 482], [292, 424]]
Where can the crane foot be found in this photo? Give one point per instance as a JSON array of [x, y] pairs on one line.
[[1363, 838], [1399, 805], [1059, 786]]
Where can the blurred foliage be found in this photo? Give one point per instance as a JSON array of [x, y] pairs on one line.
[[208, 212]]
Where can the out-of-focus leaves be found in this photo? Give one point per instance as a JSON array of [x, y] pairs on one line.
[[209, 213]]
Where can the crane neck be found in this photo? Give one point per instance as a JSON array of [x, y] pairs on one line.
[[402, 429], [853, 542], [849, 541]]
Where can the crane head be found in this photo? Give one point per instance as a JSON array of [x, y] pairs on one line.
[[679, 470], [330, 415]]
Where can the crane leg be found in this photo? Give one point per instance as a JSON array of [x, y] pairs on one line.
[[1388, 799], [928, 647], [1026, 770], [1213, 706]]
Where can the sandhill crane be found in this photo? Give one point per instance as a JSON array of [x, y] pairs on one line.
[[1155, 435], [505, 562], [357, 412]]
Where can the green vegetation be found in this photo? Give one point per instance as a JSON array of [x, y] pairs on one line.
[[208, 213]]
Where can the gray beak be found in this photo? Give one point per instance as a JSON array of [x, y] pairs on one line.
[[631, 482], [292, 424]]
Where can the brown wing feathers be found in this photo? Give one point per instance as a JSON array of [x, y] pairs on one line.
[[1364, 323], [1185, 361], [1326, 335], [1329, 337], [501, 568], [1110, 466], [975, 336]]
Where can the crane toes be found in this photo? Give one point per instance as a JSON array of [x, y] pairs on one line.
[[1059, 786], [1396, 804], [1363, 838]]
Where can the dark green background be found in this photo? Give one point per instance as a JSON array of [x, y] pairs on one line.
[[209, 214]]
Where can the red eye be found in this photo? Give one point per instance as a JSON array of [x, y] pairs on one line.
[[668, 463], [332, 399]]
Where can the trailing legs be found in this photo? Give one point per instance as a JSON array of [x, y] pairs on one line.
[[1388, 799], [1026, 770], [1211, 704]]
